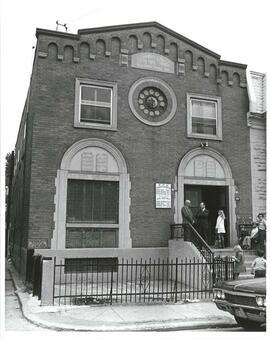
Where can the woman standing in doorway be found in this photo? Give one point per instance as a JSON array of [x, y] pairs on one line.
[[220, 229]]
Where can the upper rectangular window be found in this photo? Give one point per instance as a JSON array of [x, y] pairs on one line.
[[95, 104], [204, 118]]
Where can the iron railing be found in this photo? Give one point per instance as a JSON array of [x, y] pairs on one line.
[[188, 233], [137, 281], [36, 279]]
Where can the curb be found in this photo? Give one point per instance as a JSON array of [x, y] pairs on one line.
[[164, 325]]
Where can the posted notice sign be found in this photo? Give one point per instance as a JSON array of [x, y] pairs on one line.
[[163, 196]]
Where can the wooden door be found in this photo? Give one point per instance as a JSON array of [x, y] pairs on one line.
[[194, 194]]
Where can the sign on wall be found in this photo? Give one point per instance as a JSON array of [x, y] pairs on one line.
[[153, 62], [163, 195]]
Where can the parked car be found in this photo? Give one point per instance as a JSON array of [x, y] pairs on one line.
[[244, 299]]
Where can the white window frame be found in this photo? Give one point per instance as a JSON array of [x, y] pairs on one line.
[[209, 98], [95, 83], [94, 177]]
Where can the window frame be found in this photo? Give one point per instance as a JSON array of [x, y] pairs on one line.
[[93, 223], [209, 98], [113, 114]]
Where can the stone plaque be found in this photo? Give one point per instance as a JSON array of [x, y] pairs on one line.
[[38, 243], [153, 62], [102, 162], [163, 195], [211, 168], [199, 168], [87, 161]]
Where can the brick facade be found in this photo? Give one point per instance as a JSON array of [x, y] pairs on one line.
[[152, 153]]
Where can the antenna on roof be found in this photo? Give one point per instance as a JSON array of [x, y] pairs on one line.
[[63, 25]]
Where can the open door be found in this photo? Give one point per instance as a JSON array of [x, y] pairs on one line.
[[215, 198]]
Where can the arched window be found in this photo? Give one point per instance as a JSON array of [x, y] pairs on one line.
[[92, 197]]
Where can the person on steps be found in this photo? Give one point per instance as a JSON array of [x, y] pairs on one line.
[[258, 267], [239, 260], [187, 217], [220, 229]]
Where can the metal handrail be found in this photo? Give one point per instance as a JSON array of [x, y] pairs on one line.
[[192, 235]]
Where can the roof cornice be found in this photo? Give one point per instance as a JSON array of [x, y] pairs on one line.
[[41, 31], [232, 64], [145, 25]]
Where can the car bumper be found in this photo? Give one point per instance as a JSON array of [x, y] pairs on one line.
[[246, 312]]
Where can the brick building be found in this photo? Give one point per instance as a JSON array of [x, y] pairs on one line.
[[120, 126]]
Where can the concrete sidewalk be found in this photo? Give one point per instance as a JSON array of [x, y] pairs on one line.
[[165, 317]]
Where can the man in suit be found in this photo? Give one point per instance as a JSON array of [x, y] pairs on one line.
[[187, 217], [187, 214], [202, 222]]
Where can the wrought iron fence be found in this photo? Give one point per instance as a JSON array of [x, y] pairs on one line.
[[137, 281]]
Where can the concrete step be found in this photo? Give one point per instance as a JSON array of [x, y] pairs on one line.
[[230, 252]]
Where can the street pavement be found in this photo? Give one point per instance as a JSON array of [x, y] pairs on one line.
[[102, 318]]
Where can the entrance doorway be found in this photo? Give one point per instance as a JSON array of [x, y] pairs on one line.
[[215, 198]]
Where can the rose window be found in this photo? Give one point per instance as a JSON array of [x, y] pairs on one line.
[[152, 101]]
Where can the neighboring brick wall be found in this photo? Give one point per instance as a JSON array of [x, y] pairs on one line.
[[19, 212], [18, 227], [258, 153], [152, 154]]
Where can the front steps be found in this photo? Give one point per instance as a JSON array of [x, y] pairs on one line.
[[250, 255]]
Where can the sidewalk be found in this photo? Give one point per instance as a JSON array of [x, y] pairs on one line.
[[165, 317]]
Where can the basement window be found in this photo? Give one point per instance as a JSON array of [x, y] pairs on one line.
[[91, 265]]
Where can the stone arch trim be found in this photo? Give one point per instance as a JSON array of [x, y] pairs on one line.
[[93, 142], [63, 174], [210, 152], [180, 181]]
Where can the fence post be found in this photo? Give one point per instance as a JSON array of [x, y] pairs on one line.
[[111, 289], [36, 275], [214, 270], [47, 284], [176, 278], [29, 265], [226, 268]]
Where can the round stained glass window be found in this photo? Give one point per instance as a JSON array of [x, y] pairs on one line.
[[152, 101]]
